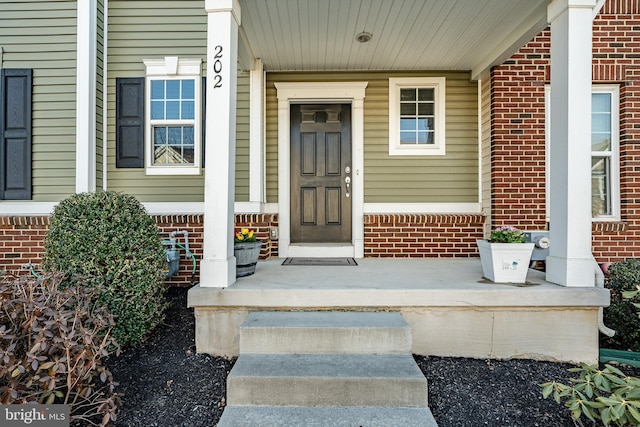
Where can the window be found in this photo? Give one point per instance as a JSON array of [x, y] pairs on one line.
[[604, 152], [417, 116], [172, 124], [605, 163]]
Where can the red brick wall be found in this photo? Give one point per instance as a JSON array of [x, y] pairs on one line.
[[518, 137], [518, 140], [22, 239], [421, 236]]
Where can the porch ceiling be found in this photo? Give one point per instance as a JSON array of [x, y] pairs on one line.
[[297, 35]]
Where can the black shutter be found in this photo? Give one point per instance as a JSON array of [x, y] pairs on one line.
[[130, 122], [15, 134], [204, 116]]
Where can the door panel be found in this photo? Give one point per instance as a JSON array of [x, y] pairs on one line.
[[320, 162]]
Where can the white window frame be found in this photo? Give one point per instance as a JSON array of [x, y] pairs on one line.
[[174, 68], [395, 147], [614, 91]]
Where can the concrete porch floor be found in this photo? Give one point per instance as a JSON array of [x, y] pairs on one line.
[[451, 309]]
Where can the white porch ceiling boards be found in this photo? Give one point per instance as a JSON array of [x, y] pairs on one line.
[[319, 35]]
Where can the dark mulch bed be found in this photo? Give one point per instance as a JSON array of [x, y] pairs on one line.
[[165, 383]]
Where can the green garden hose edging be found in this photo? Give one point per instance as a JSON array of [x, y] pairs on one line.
[[631, 358]]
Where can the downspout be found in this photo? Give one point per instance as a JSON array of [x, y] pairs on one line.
[[105, 88], [600, 284]]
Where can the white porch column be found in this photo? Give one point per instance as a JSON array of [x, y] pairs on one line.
[[218, 265], [86, 97], [570, 260]]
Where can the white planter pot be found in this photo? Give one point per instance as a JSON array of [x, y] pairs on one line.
[[505, 262]]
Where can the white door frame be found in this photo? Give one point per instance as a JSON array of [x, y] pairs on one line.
[[321, 92]]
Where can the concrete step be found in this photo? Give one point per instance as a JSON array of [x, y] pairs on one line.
[[325, 332], [295, 416], [327, 380]]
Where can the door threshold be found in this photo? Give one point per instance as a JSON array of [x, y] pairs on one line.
[[321, 250]]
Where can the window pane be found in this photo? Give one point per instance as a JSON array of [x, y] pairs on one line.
[[601, 122], [159, 145], [157, 110], [407, 109], [601, 142], [407, 137], [173, 110], [425, 123], [425, 109], [408, 124], [407, 94], [173, 89], [423, 137], [188, 156], [601, 102], [187, 135], [425, 94], [600, 186], [188, 89], [160, 135], [175, 135], [188, 110], [157, 89]]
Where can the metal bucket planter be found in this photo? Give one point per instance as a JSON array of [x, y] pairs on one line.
[[505, 262], [247, 254]]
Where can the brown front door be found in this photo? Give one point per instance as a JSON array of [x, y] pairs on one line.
[[321, 179]]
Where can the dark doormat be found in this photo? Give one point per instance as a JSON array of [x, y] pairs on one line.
[[320, 261]]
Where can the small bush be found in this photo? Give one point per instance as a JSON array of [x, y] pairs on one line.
[[605, 394], [622, 315], [51, 345], [108, 240]]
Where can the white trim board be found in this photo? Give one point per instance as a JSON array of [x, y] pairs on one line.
[[195, 208], [422, 208], [346, 92]]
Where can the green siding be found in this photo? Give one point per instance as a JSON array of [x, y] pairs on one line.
[[452, 178], [141, 30], [42, 35], [242, 138]]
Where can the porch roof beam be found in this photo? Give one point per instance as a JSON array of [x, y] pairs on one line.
[[530, 26]]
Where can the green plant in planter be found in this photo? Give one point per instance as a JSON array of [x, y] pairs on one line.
[[506, 234], [622, 314], [108, 240]]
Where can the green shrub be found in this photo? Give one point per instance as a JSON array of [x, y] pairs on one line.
[[108, 240], [51, 345], [622, 315], [605, 394]]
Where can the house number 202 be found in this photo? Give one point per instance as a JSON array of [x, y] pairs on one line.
[[217, 67]]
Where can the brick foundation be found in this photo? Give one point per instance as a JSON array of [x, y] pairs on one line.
[[22, 240], [421, 236]]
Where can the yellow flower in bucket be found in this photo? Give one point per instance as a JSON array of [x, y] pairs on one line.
[[245, 235]]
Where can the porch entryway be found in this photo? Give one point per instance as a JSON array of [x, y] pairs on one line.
[[451, 310]]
